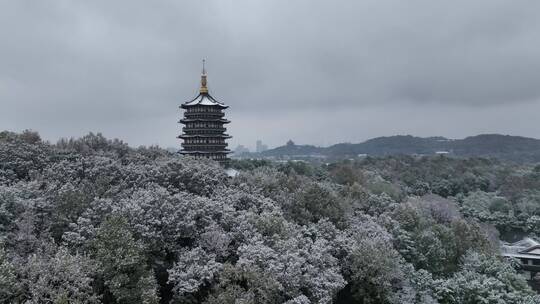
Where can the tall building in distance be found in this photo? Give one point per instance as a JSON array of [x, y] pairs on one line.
[[204, 126], [261, 147]]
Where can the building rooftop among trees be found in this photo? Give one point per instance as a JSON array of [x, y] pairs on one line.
[[527, 251], [204, 132]]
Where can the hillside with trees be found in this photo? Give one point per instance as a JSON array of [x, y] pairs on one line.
[[92, 220], [514, 148]]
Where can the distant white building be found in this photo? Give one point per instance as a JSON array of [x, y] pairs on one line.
[[231, 172], [442, 152]]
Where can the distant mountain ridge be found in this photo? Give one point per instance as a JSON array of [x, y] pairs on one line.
[[516, 148]]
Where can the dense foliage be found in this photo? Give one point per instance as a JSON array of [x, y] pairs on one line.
[[91, 220]]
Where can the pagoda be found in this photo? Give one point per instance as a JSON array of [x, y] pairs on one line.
[[204, 132]]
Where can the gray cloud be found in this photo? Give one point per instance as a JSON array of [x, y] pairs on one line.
[[315, 71]]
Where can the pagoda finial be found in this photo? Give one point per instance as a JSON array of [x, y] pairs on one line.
[[203, 89]]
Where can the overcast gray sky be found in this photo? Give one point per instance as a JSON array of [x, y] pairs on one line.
[[317, 72]]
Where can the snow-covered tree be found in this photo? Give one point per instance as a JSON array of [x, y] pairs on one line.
[[122, 264], [92, 220], [56, 277], [9, 286], [485, 279]]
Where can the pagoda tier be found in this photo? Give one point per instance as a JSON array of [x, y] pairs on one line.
[[203, 133], [205, 120], [206, 153], [227, 136]]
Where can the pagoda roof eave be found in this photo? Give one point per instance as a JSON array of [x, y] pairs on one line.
[[204, 136], [225, 121], [205, 152], [203, 99], [184, 106]]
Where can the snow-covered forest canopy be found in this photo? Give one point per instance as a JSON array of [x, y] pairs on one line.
[[92, 220]]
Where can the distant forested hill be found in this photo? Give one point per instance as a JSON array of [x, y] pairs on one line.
[[507, 147]]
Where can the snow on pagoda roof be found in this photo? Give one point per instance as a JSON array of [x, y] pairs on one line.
[[526, 248], [524, 243], [204, 99]]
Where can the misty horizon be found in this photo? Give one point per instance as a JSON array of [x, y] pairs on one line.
[[252, 147]]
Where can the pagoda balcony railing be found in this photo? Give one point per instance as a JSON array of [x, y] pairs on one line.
[[204, 130], [203, 109], [205, 135], [204, 145], [222, 151], [204, 149], [205, 112], [206, 120], [203, 116]]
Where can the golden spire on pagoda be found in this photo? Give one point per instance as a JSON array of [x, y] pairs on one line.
[[203, 89]]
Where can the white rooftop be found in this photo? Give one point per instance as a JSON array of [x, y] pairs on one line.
[[231, 172], [526, 248], [204, 100]]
